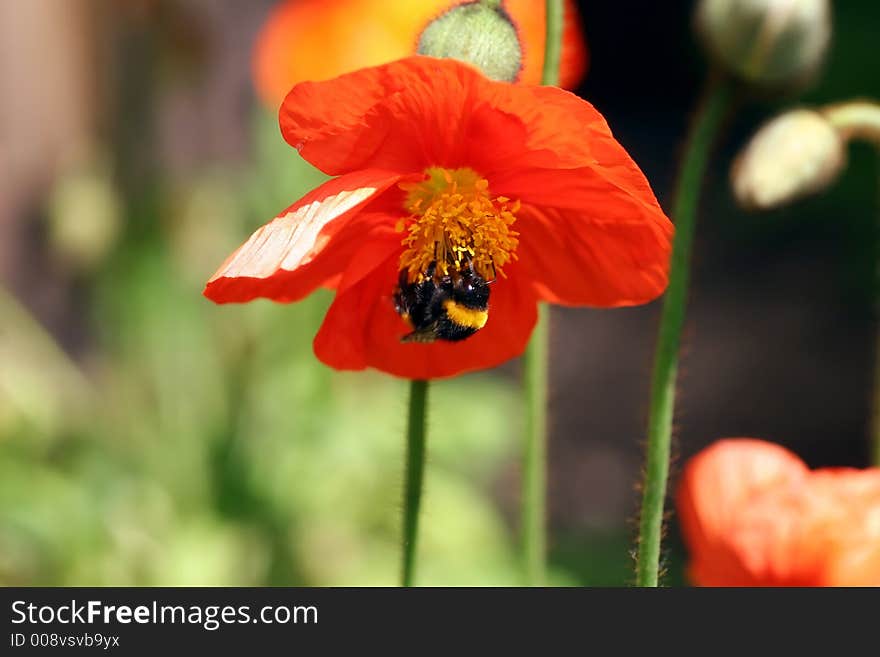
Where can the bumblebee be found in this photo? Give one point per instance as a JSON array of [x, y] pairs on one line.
[[451, 307]]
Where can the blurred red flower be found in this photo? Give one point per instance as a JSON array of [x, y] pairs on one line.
[[438, 163], [753, 514], [317, 40]]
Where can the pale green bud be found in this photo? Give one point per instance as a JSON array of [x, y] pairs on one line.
[[480, 33], [796, 154], [766, 42]]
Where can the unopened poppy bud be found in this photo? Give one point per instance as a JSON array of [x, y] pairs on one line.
[[794, 155], [767, 42], [480, 33]]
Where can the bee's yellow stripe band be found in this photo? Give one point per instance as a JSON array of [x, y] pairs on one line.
[[463, 316]]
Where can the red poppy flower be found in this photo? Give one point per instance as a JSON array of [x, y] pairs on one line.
[[438, 163], [753, 514], [293, 44]]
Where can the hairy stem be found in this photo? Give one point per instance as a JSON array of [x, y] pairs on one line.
[[534, 477], [860, 119], [534, 470], [875, 411], [703, 131], [415, 471], [553, 42]]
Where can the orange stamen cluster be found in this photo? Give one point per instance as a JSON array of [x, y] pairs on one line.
[[455, 222]]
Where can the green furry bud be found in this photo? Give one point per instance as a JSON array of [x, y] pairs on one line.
[[480, 33], [766, 42]]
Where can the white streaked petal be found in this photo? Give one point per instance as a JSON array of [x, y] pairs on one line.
[[293, 238]]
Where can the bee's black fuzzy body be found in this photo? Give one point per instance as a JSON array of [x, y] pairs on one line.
[[449, 308]]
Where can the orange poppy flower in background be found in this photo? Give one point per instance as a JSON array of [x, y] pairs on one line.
[[753, 514], [488, 180], [320, 39]]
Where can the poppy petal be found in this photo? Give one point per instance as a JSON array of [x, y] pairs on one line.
[[557, 130], [579, 189], [306, 245], [715, 485], [720, 477], [821, 529], [362, 329], [403, 116], [563, 130], [851, 519], [422, 111], [575, 258]]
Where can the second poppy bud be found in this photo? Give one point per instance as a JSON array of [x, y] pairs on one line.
[[480, 33]]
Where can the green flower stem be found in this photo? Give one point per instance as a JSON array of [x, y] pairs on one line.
[[534, 476], [534, 469], [553, 42], [875, 415], [703, 130], [856, 119], [875, 411], [415, 471], [860, 119]]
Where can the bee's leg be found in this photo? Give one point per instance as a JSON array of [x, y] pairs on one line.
[[423, 335]]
